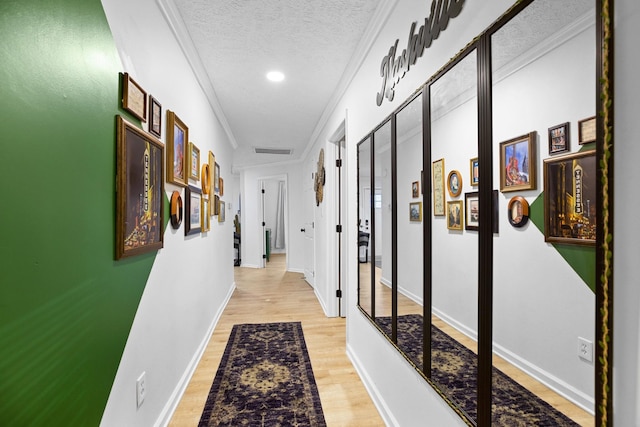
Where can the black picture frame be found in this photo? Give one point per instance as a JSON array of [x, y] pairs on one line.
[[192, 210], [559, 139], [155, 117]]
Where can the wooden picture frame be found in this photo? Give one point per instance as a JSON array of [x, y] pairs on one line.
[[216, 205], [587, 130], [474, 171], [471, 211], [205, 179], [415, 189], [221, 187], [175, 209], [216, 178], [177, 150], [192, 210], [140, 191], [454, 183], [155, 117], [205, 224], [134, 98], [570, 189], [194, 162], [518, 163], [518, 211], [212, 167], [221, 211], [437, 170], [415, 211], [455, 211], [559, 139]]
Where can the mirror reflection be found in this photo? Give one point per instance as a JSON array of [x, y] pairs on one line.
[[364, 227], [409, 231], [544, 303], [382, 227], [454, 143]]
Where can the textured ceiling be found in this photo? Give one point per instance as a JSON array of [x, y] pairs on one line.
[[238, 42]]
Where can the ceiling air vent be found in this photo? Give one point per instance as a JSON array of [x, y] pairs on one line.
[[283, 151]]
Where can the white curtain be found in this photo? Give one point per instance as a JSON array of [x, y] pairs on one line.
[[279, 235]]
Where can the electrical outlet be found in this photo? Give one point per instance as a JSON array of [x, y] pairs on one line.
[[141, 388], [585, 349]]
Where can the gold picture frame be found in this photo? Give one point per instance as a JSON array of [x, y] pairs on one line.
[[206, 219], [205, 180], [177, 150], [140, 191], [518, 163], [437, 170], [454, 183], [474, 172], [134, 98], [194, 162], [415, 211], [455, 211], [212, 165], [221, 213]]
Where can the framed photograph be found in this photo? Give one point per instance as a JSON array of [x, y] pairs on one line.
[[570, 189], [454, 215], [192, 210], [454, 183], [134, 98], [212, 166], [175, 208], [473, 166], [415, 211], [206, 219], [221, 187], [437, 170], [194, 162], [216, 205], [472, 211], [155, 117], [140, 191], [587, 130], [415, 189], [518, 211], [216, 179], [559, 139], [221, 214], [177, 150], [518, 163]]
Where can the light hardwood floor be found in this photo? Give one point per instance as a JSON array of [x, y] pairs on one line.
[[273, 295]]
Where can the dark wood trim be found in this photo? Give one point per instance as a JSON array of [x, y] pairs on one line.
[[394, 233], [427, 230]]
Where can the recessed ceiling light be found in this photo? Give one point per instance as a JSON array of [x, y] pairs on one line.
[[275, 76]]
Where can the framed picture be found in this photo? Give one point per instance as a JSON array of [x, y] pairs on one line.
[[194, 162], [438, 187], [140, 191], [175, 207], [212, 166], [518, 211], [415, 189], [454, 215], [570, 189], [221, 187], [454, 183], [206, 219], [221, 214], [587, 130], [216, 179], [472, 211], [415, 211], [134, 98], [216, 205], [559, 139], [155, 117], [473, 166], [192, 210], [177, 150], [205, 179], [518, 163]]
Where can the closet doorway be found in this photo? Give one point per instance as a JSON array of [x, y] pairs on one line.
[[274, 217]]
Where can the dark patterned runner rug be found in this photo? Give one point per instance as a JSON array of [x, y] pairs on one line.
[[264, 379], [454, 370]]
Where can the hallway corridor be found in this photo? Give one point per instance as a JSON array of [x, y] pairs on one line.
[[274, 295]]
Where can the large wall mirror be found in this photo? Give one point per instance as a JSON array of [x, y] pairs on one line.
[[483, 196]]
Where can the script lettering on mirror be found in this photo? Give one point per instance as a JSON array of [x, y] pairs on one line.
[[393, 68]]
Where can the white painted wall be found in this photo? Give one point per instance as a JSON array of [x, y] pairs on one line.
[[192, 277], [626, 331]]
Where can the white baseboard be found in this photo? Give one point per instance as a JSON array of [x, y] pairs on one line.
[[375, 395], [178, 392]]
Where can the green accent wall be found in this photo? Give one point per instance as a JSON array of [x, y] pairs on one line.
[[66, 307], [581, 258]]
